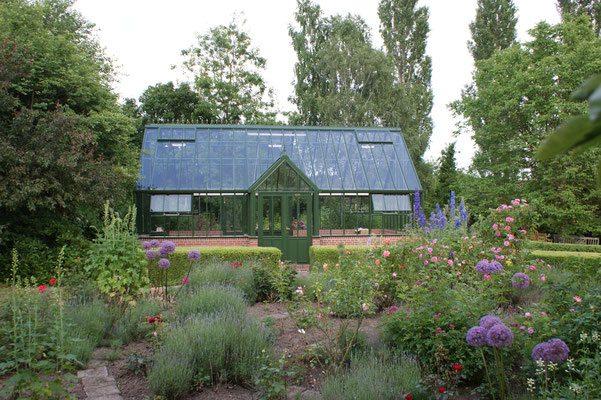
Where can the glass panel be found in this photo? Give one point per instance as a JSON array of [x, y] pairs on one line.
[[330, 214], [159, 174], [373, 136], [214, 181], [157, 223], [186, 179], [165, 133], [146, 171], [370, 167], [201, 173], [184, 203], [266, 216], [156, 203], [227, 174], [213, 215], [173, 170], [382, 165], [277, 216], [240, 174]]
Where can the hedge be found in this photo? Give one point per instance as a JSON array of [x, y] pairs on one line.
[[565, 258], [320, 255], [581, 248], [268, 256]]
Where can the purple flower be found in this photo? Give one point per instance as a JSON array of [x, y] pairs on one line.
[[162, 252], [164, 263], [151, 254], [489, 321], [146, 245], [194, 255], [495, 266], [499, 336], [168, 246], [520, 281], [154, 243], [476, 336], [556, 351], [483, 267], [539, 350]]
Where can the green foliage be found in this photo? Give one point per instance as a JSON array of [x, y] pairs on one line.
[[164, 102], [208, 299], [133, 325], [273, 377], [378, 376], [493, 29], [267, 256], [565, 258], [225, 347], [591, 8], [320, 255], [115, 261], [446, 176], [242, 277], [518, 96], [227, 76], [581, 248]]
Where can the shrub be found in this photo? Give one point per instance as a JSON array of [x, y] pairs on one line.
[[216, 272], [115, 262], [87, 324], [581, 248], [320, 255], [565, 259], [223, 346], [133, 325], [214, 298], [267, 256], [308, 283], [375, 376]]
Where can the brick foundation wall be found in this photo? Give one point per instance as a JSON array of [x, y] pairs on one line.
[[253, 242]]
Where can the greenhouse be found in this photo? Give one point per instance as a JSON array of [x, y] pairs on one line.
[[288, 187]]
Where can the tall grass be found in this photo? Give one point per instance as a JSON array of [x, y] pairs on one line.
[[218, 272], [375, 376], [204, 300], [223, 346]]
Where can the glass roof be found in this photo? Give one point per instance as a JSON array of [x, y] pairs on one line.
[[215, 158]]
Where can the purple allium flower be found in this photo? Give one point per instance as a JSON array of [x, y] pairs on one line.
[[146, 245], [556, 351], [499, 336], [155, 243], [495, 266], [151, 254], [489, 321], [164, 263], [476, 336], [483, 267], [168, 246], [162, 252], [539, 350], [520, 281], [194, 255]]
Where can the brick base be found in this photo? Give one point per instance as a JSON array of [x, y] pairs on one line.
[[245, 241]]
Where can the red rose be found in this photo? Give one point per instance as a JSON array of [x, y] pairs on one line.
[[41, 288], [408, 397], [457, 367], [151, 320], [442, 390], [52, 281]]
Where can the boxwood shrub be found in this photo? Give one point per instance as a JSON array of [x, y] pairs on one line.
[[267, 256], [320, 255], [563, 259], [583, 248]]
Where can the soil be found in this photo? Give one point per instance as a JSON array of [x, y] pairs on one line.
[[289, 340]]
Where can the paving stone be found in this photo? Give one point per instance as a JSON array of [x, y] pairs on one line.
[[107, 397], [99, 391], [97, 364], [100, 381], [99, 372]]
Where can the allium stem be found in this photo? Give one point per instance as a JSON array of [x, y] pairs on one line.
[[492, 392]]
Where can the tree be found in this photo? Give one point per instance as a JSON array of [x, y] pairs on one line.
[[65, 145], [340, 78], [518, 97], [227, 77], [493, 29], [592, 8], [404, 28], [166, 103], [446, 175]]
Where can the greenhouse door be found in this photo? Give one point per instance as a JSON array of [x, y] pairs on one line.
[[285, 223]]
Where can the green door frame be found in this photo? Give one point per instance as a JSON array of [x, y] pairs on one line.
[[280, 232]]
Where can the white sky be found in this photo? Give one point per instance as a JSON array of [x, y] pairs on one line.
[[145, 38]]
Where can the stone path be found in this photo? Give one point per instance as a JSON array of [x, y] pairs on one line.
[[97, 383]]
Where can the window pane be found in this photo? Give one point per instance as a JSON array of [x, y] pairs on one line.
[[156, 203]]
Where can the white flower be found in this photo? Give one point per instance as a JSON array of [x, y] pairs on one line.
[[301, 331]]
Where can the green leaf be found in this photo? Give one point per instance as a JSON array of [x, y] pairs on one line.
[[593, 138], [599, 173], [588, 87], [564, 138], [594, 105]]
